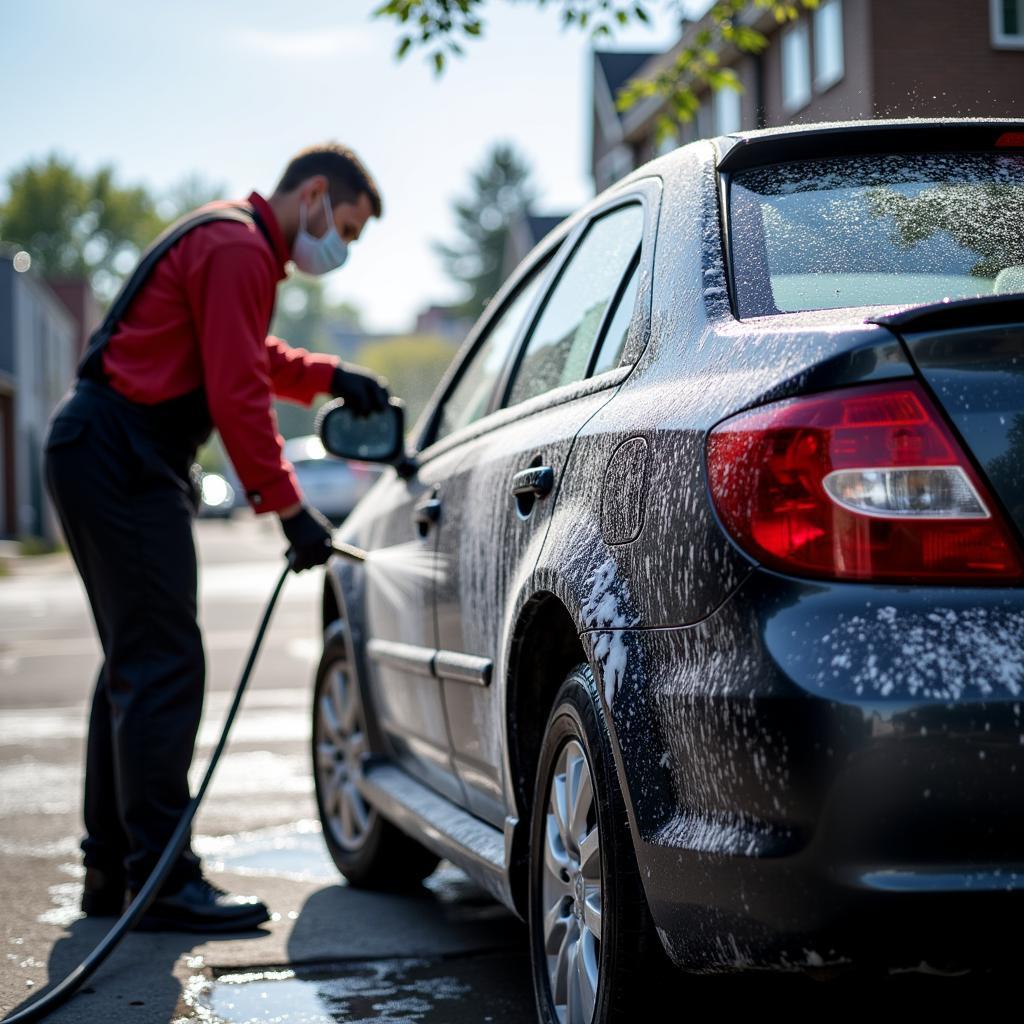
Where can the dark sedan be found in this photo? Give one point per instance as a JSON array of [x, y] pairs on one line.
[[693, 624]]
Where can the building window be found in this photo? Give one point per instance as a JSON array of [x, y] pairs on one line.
[[727, 112], [796, 67], [828, 44], [1008, 23]]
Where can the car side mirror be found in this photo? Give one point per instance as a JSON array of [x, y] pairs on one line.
[[377, 437]]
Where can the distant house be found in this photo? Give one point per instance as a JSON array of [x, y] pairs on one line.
[[444, 321], [524, 232], [847, 59], [612, 155], [39, 340]]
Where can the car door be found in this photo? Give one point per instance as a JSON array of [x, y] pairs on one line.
[[405, 569], [399, 596], [496, 504]]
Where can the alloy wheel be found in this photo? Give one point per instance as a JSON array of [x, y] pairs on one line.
[[571, 887], [341, 747]]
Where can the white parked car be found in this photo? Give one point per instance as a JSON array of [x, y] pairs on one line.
[[332, 485]]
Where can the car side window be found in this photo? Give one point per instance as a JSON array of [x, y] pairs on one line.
[[562, 341], [470, 398], [614, 340]]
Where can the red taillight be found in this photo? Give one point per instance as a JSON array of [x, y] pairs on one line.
[[861, 484]]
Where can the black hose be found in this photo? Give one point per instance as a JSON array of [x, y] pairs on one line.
[[49, 1001]]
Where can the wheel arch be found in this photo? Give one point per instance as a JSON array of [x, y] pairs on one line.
[[544, 648]]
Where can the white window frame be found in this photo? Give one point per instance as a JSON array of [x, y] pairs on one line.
[[793, 103], [728, 111], [1000, 39], [824, 79]]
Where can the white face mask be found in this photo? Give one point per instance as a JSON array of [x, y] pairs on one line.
[[318, 255]]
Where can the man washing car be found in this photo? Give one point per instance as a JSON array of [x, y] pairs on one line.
[[185, 349]]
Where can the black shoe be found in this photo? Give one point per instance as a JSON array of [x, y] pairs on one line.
[[199, 906], [103, 893]]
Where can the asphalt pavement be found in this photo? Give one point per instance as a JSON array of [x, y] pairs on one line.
[[330, 953]]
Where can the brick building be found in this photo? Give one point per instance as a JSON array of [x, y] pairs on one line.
[[846, 59]]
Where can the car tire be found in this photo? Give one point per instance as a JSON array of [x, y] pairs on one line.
[[370, 852], [589, 922]]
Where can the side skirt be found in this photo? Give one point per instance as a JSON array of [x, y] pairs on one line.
[[469, 843]]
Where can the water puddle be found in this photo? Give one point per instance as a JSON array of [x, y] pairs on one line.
[[410, 991], [293, 851], [297, 852]]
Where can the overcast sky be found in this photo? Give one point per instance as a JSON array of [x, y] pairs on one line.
[[230, 89]]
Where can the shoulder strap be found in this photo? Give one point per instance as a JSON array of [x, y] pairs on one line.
[[91, 363]]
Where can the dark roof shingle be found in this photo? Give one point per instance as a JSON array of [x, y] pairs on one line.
[[619, 66]]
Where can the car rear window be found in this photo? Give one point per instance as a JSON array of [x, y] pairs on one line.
[[876, 230]]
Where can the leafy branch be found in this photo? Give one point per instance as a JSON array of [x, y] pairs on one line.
[[440, 28]]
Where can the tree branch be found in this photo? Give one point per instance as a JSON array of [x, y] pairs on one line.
[[438, 28]]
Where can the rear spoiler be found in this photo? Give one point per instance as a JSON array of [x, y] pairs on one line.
[[982, 311], [860, 138]]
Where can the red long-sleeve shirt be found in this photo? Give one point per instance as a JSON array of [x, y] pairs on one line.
[[201, 320]]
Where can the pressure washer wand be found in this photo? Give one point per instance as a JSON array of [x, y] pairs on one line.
[[349, 551]]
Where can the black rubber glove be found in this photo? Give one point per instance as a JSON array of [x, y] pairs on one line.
[[363, 392], [309, 534]]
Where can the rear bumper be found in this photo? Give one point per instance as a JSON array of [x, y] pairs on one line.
[[824, 773], [792, 915]]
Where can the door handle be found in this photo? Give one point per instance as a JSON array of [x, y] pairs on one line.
[[536, 481], [426, 513]]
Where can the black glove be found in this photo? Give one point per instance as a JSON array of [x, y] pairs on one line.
[[309, 535], [363, 392]]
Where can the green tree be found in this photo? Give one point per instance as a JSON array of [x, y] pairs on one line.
[[192, 191], [413, 365], [500, 191], [75, 224], [299, 313], [299, 318], [440, 28], [303, 317]]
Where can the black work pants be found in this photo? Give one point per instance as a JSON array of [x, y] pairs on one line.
[[126, 505]]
